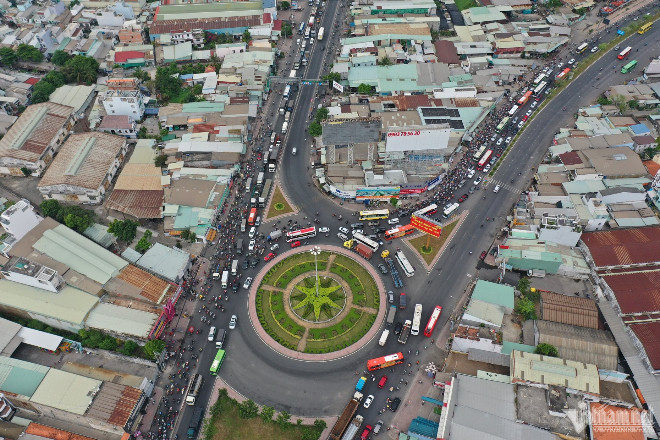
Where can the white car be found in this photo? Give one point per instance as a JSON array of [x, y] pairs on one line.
[[343, 230], [534, 104], [529, 112], [212, 331], [342, 237], [487, 168], [499, 141], [246, 284], [275, 246], [393, 221], [470, 174], [594, 49], [357, 231], [507, 140], [368, 400], [571, 61], [252, 245], [253, 232], [478, 181], [520, 124], [496, 189], [324, 229], [560, 65], [232, 322]]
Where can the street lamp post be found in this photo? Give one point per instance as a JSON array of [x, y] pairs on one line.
[[316, 251]]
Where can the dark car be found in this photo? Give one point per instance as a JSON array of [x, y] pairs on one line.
[[462, 198], [255, 262], [472, 189], [235, 286], [397, 328], [383, 269], [381, 230], [393, 405], [246, 264]]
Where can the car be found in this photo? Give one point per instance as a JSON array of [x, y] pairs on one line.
[[483, 255], [368, 400], [378, 427], [461, 184], [471, 173], [520, 124], [274, 247], [493, 137], [324, 229], [246, 264], [383, 269], [246, 284], [463, 198], [393, 221], [232, 322], [253, 232], [342, 237], [390, 297], [358, 225], [514, 120], [254, 262], [397, 328], [357, 231], [252, 244], [234, 287], [529, 112], [343, 230], [617, 48], [366, 432], [496, 189], [257, 222], [295, 244], [472, 189], [382, 382], [535, 103], [212, 331], [524, 118], [270, 256], [393, 405], [594, 49], [571, 61], [487, 168], [499, 141], [636, 18]]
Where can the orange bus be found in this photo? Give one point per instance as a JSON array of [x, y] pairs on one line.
[[524, 98], [252, 217], [399, 232], [385, 361], [433, 320]]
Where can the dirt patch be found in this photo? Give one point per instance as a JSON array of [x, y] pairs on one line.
[[459, 363]]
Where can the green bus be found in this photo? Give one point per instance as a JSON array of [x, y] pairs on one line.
[[628, 67], [217, 362]]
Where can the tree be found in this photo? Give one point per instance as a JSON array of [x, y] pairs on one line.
[[144, 244], [26, 171], [74, 3], [320, 424], [267, 413], [315, 129], [332, 76], [620, 102], [8, 56], [161, 160], [50, 208], [248, 409], [602, 100], [546, 350], [108, 343], [385, 61], [153, 348], [90, 338], [310, 434], [364, 89], [526, 308], [633, 104], [283, 418], [41, 92], [129, 348], [26, 52], [287, 31], [394, 201], [523, 285], [81, 69], [322, 114], [246, 36], [60, 58], [167, 85], [124, 230], [285, 5]]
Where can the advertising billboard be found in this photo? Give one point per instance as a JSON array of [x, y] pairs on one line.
[[416, 140], [427, 225], [377, 193]]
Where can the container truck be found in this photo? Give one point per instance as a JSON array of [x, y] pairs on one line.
[[274, 235], [403, 337], [390, 315], [353, 428], [287, 116], [321, 31], [239, 246], [360, 383], [365, 251], [417, 319], [225, 279], [343, 420], [260, 179], [195, 422]]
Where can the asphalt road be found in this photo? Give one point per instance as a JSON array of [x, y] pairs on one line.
[[323, 388]]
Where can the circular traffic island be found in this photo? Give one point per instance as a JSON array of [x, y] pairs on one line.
[[317, 302]]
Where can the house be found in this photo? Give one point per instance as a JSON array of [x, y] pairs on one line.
[[124, 102], [121, 125], [30, 144], [643, 143], [83, 170]]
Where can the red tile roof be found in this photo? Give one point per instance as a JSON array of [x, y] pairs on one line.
[[277, 25], [122, 57], [610, 422], [111, 122], [412, 102], [32, 81], [266, 18], [637, 292], [206, 24], [649, 336], [44, 431], [446, 52], [570, 158], [622, 247], [652, 167]]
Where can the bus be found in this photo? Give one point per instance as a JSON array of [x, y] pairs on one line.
[[265, 192], [217, 362], [624, 53], [581, 48], [433, 320], [485, 159], [429, 210], [301, 29], [287, 91], [514, 109], [540, 88], [361, 238], [385, 361], [563, 73], [480, 152], [405, 264], [644, 29], [252, 217], [375, 214], [301, 234], [417, 320], [523, 99], [539, 78], [450, 209], [399, 232], [193, 389], [320, 34], [628, 67], [234, 267], [502, 125]]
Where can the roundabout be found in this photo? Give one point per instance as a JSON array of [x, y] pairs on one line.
[[316, 302]]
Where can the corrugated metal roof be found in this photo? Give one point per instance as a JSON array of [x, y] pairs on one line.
[[8, 330], [43, 431], [486, 312], [114, 403], [649, 335], [169, 263], [99, 234], [637, 292], [206, 24], [623, 247], [80, 254], [569, 310], [66, 391], [20, 377], [499, 294], [121, 320], [137, 203], [554, 371], [151, 287]]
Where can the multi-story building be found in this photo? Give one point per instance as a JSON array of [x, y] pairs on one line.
[[19, 219], [124, 102], [23, 271]]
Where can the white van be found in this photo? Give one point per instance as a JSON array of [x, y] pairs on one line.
[[383, 337], [293, 152], [212, 331]]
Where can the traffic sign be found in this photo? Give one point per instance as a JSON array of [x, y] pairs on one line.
[[426, 224]]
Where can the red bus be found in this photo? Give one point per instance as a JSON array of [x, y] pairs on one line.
[[525, 97], [484, 159], [563, 73], [301, 234], [385, 361], [433, 320], [624, 53], [399, 232], [252, 217]]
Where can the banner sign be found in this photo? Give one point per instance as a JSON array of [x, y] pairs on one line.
[[377, 193], [427, 225], [337, 86]]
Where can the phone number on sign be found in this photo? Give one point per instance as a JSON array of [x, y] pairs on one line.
[[403, 133]]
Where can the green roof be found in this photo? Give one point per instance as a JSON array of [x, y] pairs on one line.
[[20, 377], [508, 347], [80, 254], [99, 234], [485, 312], [387, 79], [493, 293], [203, 107]]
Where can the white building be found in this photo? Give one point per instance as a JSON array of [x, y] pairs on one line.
[[195, 36], [124, 102], [20, 219], [32, 274]]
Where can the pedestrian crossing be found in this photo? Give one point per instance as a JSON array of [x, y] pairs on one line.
[[503, 186]]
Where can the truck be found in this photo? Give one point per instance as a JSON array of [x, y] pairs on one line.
[[390, 315], [417, 319], [287, 116], [293, 73], [195, 422], [225, 279], [234, 267], [344, 419], [403, 300], [220, 338], [275, 235], [239, 246], [260, 179], [364, 251], [398, 282], [321, 31], [285, 127], [272, 158], [383, 337], [359, 386], [539, 273], [403, 337], [353, 428]]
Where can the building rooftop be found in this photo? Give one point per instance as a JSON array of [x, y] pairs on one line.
[[20, 377], [84, 160], [48, 432], [649, 335], [499, 294], [571, 310], [636, 292], [114, 403], [66, 391], [73, 96], [609, 422], [623, 247], [616, 162], [169, 263], [111, 122], [351, 131], [530, 367]]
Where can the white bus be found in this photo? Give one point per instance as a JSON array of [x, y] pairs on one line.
[[513, 110], [417, 319], [405, 264], [287, 91], [234, 267], [450, 209], [301, 29], [301, 234], [539, 78], [365, 241]]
